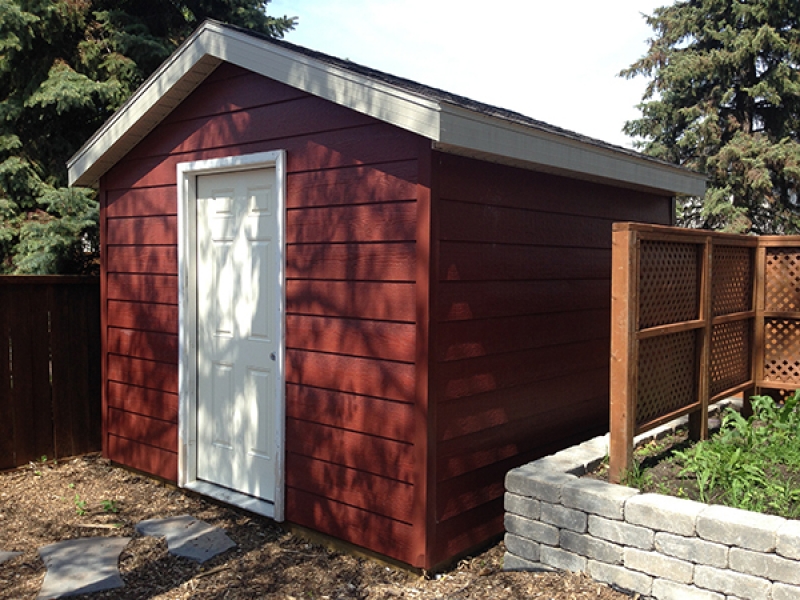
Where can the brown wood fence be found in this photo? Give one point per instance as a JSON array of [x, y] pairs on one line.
[[697, 316], [49, 367]]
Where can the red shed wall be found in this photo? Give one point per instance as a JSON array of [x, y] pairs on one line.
[[351, 313], [520, 334]]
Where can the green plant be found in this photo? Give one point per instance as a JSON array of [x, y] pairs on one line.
[[751, 463], [637, 476], [110, 506], [41, 461], [80, 505]]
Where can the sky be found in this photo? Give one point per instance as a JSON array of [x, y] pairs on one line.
[[552, 60]]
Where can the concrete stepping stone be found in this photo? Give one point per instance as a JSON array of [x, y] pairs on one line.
[[188, 537], [4, 556], [81, 566]]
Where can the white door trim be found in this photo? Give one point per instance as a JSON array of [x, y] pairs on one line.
[[187, 173]]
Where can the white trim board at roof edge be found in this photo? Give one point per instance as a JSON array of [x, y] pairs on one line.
[[451, 128]]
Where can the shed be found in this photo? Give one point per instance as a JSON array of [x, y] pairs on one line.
[[349, 301]]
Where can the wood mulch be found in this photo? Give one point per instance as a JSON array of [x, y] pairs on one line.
[[42, 503]]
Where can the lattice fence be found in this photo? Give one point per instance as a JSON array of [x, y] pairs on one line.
[[779, 317], [697, 316]]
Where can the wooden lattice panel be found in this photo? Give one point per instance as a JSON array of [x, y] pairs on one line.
[[781, 351], [730, 356], [668, 283], [667, 375], [732, 281], [782, 279]]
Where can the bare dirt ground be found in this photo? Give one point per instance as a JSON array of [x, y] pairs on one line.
[[86, 496]]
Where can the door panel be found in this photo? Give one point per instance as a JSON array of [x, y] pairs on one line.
[[237, 317]]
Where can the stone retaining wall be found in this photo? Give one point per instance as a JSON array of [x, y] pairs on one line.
[[659, 546]]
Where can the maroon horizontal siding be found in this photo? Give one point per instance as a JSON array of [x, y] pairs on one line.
[[415, 281], [328, 150], [346, 411], [144, 202], [387, 535], [521, 329], [138, 400], [350, 308], [158, 346], [368, 223], [385, 340], [357, 299]]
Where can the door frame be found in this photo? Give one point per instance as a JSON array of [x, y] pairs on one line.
[[187, 173]]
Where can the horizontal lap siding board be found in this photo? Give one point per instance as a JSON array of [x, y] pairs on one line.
[[351, 262], [473, 300], [388, 536], [471, 376], [351, 339], [142, 231], [162, 260], [522, 328], [151, 403], [466, 261], [142, 456], [328, 150], [151, 345], [464, 418], [140, 203], [350, 305], [473, 338]]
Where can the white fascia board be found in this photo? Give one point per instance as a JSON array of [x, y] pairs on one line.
[[449, 127], [175, 79], [485, 135], [409, 111], [200, 54]]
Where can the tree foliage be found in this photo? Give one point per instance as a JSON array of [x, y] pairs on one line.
[[724, 99], [65, 66]]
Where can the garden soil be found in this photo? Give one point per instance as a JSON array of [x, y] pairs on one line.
[[87, 496]]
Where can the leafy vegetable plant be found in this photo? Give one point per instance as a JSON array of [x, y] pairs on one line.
[[752, 463]]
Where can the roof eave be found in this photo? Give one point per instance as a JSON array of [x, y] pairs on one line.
[[175, 79], [469, 133], [201, 53], [450, 127]]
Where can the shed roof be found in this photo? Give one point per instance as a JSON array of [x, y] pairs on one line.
[[453, 123]]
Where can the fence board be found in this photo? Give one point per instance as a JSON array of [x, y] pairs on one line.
[[76, 363], [50, 371], [7, 457], [688, 319], [33, 423], [64, 382]]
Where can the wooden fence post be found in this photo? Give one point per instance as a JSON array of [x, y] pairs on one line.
[[624, 348], [757, 352], [698, 420]]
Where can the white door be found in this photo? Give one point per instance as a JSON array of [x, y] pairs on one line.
[[237, 330]]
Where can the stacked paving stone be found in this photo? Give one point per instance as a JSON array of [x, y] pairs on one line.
[[658, 546]]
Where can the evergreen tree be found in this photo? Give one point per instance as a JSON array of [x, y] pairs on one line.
[[65, 66], [724, 99]]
